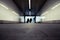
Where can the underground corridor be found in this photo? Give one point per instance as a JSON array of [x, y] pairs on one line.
[[29, 19]]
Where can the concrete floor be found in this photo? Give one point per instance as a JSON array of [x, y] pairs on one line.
[[29, 31]]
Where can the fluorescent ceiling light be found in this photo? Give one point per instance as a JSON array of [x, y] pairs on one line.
[[3, 6], [56, 6], [44, 13], [14, 12], [29, 4]]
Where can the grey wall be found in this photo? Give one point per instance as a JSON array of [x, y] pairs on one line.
[[48, 5], [49, 12], [10, 4]]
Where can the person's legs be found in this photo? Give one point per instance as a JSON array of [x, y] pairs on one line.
[[30, 20], [27, 20]]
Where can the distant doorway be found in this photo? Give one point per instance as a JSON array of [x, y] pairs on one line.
[[29, 19]]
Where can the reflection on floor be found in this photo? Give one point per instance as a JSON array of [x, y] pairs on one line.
[[29, 31]]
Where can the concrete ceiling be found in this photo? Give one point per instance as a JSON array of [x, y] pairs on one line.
[[23, 6]]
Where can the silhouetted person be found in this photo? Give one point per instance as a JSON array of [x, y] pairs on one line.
[[30, 20], [27, 20]]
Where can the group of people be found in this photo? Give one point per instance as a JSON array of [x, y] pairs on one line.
[[30, 20]]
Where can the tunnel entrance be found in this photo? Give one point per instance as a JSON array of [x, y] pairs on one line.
[[31, 19]]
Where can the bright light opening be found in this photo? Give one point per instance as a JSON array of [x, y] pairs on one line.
[[29, 17]]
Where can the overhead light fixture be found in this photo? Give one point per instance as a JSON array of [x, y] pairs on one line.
[[3, 6], [14, 12], [45, 13], [29, 4], [56, 6]]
